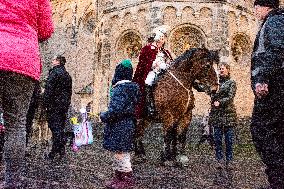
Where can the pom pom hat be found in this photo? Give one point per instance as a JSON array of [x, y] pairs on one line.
[[123, 71]]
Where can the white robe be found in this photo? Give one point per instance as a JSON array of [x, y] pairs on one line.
[[158, 65]]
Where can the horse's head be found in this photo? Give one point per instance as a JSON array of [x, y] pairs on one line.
[[199, 62], [205, 75]]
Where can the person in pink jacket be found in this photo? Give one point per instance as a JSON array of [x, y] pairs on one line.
[[23, 24]]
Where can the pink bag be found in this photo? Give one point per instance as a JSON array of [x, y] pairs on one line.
[[83, 132]]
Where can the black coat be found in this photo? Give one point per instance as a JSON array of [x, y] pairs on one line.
[[58, 89], [267, 66], [225, 114], [120, 118]]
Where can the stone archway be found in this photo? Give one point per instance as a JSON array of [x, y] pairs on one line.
[[241, 47], [129, 46], [185, 37]]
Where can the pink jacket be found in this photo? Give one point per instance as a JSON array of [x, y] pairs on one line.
[[23, 24]]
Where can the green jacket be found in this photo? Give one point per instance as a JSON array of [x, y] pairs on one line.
[[225, 114]]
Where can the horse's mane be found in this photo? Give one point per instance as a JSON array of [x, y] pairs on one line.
[[187, 55]]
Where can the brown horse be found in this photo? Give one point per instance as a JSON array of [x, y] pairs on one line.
[[174, 100]]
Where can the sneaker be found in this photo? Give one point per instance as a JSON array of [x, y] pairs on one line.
[[50, 156], [220, 164]]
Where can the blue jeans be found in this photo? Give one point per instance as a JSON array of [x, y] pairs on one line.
[[218, 138]]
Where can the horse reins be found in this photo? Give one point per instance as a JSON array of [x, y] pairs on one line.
[[188, 91]]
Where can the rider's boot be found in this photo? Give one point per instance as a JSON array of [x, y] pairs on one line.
[[150, 101]]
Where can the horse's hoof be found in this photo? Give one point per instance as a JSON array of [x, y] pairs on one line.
[[166, 157], [182, 160], [167, 163], [162, 158]]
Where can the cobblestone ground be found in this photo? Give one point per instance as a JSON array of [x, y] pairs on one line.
[[91, 166]]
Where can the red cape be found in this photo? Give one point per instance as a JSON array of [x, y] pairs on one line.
[[147, 56]]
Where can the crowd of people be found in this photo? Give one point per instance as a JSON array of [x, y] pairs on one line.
[[24, 24]]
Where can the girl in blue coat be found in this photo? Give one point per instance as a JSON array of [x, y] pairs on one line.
[[120, 124]]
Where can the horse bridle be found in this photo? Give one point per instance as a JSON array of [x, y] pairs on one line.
[[188, 91]]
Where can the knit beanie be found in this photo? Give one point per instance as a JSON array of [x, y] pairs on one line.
[[123, 71], [267, 3]]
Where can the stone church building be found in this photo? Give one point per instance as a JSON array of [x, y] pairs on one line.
[[94, 35]]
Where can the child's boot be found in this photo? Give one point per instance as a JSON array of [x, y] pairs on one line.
[[114, 180], [128, 180], [121, 180]]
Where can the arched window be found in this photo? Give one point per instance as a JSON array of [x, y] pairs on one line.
[[89, 22], [129, 45], [185, 37], [241, 48]]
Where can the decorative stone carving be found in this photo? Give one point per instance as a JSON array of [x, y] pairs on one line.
[[169, 15], [205, 12]]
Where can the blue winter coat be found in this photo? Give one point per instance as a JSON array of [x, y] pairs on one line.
[[120, 119]]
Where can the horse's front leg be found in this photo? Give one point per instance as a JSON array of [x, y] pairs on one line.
[[168, 155], [182, 158], [140, 126]]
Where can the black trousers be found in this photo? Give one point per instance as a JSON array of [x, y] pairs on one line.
[[69, 138], [2, 141], [56, 123], [32, 110], [268, 137], [15, 94]]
